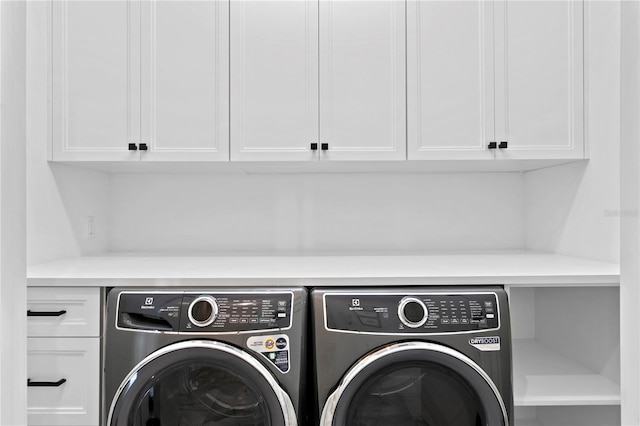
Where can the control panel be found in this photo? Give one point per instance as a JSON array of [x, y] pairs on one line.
[[411, 313], [192, 312], [236, 312]]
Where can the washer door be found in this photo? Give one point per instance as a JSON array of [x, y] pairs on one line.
[[415, 383], [200, 383]]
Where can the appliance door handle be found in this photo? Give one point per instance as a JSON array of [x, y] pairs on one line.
[[146, 322], [46, 384], [31, 313]]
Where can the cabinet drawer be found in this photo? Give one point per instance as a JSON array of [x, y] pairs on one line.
[[77, 400], [63, 311]]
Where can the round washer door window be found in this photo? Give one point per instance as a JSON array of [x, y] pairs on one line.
[[201, 383], [415, 383]]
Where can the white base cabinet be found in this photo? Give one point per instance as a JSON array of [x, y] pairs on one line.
[[75, 401], [77, 312], [63, 356]]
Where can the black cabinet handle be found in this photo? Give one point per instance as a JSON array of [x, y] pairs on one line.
[[503, 145], [143, 147], [314, 146], [31, 313], [492, 145], [133, 147], [325, 146], [46, 384]]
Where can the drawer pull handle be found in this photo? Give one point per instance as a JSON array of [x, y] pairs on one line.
[[31, 313], [46, 384]]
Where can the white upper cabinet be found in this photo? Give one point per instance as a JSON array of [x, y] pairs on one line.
[[185, 74], [318, 80], [274, 80], [539, 78], [140, 80], [362, 80], [450, 83], [96, 80], [308, 80], [495, 79]]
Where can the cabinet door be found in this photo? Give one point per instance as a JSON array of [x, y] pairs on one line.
[[539, 78], [95, 80], [63, 311], [362, 80], [450, 87], [74, 401], [185, 74], [274, 80]]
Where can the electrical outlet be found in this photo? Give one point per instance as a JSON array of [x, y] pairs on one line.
[[90, 227]]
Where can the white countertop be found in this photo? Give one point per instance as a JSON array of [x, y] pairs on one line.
[[507, 268]]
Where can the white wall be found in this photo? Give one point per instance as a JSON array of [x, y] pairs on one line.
[[13, 287], [59, 197], [315, 212], [630, 202], [574, 209]]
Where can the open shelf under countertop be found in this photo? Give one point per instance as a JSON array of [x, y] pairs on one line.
[[544, 377]]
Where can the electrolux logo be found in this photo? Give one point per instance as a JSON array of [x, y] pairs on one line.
[[355, 305], [148, 301]]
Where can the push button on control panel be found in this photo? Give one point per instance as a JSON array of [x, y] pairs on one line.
[[282, 309]]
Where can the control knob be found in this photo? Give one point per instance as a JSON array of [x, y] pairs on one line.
[[412, 312], [203, 311]]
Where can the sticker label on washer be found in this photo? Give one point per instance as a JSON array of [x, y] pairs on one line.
[[275, 348], [486, 343]]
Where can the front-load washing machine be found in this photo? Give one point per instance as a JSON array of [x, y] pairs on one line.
[[217, 356], [413, 356]]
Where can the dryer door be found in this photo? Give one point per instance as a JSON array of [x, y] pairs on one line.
[[200, 383], [415, 383]]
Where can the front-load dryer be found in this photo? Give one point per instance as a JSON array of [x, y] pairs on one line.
[[413, 356], [217, 356]]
